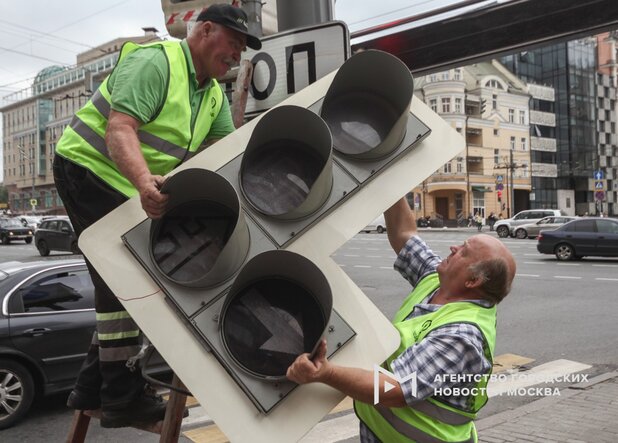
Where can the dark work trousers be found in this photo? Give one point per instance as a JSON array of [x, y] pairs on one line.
[[86, 199]]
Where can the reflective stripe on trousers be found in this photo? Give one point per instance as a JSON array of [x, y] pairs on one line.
[[118, 336], [410, 431]]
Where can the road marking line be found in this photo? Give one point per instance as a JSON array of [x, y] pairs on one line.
[[568, 277], [362, 266], [531, 255], [374, 256], [568, 264], [527, 275], [534, 376], [534, 263], [351, 255], [333, 430], [353, 249], [386, 267], [373, 249], [606, 266], [606, 279]]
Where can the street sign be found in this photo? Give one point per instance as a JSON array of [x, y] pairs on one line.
[[291, 60], [499, 187], [598, 174], [33, 202], [499, 178], [599, 195], [598, 185]]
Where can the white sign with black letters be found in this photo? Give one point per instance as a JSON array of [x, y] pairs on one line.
[[291, 60]]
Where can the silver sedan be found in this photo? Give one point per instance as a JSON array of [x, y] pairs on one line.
[[531, 230]]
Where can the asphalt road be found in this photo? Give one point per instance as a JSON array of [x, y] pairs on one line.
[[555, 311]]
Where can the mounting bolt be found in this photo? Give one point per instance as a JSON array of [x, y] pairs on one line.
[[292, 234], [345, 192], [331, 328], [339, 345]]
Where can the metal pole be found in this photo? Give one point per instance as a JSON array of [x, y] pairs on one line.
[[512, 166], [253, 8], [298, 13]]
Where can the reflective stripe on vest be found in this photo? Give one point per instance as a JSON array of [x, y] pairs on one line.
[[411, 432], [165, 142], [430, 420]]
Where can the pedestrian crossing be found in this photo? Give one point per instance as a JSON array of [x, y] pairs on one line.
[[514, 373]]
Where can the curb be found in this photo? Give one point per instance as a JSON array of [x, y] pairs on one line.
[[569, 391]]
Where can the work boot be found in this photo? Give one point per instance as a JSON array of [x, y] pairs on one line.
[[148, 408], [82, 401]]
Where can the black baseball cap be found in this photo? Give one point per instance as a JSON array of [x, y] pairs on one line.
[[230, 17]]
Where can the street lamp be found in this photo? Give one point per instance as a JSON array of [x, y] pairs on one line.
[[30, 159], [509, 166]]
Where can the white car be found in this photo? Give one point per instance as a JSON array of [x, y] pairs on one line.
[[378, 225], [507, 227]]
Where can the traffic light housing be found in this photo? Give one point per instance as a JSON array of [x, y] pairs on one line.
[[499, 194], [288, 244]]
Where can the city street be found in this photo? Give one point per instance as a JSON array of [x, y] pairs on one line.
[[556, 311]]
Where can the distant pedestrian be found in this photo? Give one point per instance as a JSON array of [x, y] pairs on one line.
[[491, 220], [478, 220]]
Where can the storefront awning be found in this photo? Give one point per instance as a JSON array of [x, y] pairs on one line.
[[480, 189]]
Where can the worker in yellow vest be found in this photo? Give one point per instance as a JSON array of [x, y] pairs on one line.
[[160, 105], [448, 329]]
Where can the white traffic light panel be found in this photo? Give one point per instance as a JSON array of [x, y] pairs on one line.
[[236, 279]]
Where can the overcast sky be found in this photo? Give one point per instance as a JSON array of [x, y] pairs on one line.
[[35, 34]]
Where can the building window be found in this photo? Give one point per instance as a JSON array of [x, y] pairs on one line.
[[445, 75], [496, 156], [460, 165], [433, 104], [522, 117], [512, 143], [523, 144], [433, 78], [496, 132], [457, 106], [457, 74], [447, 168], [446, 105], [511, 115], [494, 101]]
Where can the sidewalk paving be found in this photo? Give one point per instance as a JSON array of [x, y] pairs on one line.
[[586, 412]]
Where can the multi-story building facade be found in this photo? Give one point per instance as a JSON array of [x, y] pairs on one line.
[[490, 108], [33, 120], [585, 108]]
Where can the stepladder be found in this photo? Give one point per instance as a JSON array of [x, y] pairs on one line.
[[168, 429]]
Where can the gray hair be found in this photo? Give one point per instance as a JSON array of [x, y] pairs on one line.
[[494, 276]]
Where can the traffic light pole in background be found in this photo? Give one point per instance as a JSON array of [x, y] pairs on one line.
[[510, 166]]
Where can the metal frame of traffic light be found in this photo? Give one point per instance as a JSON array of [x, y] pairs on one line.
[[207, 379]]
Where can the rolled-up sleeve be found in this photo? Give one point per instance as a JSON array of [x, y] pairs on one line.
[[416, 260]]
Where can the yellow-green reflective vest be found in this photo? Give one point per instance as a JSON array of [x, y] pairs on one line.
[[431, 421], [166, 141]]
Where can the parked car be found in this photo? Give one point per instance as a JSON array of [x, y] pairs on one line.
[[507, 227], [378, 225], [46, 325], [56, 234], [12, 229], [580, 238], [531, 230]]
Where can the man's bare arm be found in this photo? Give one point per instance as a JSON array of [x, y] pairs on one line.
[[124, 148], [400, 224], [353, 382]]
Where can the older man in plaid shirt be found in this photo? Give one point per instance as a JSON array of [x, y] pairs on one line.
[[458, 296]]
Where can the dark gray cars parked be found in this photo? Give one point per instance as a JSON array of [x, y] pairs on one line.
[[46, 324]]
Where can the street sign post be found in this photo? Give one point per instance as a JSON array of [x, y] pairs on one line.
[[598, 174], [292, 60]]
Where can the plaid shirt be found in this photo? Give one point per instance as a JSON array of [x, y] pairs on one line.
[[451, 349]]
